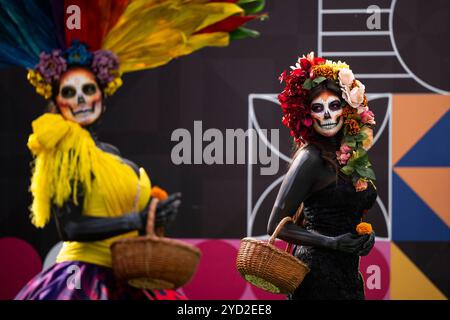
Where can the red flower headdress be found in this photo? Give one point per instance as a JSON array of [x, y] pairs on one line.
[[296, 113], [308, 72]]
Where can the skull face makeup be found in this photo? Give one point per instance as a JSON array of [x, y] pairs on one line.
[[326, 111], [79, 98]]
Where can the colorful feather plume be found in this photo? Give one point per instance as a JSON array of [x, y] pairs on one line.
[[141, 33]]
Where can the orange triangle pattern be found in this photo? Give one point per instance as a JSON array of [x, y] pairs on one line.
[[412, 116], [432, 185], [408, 282]]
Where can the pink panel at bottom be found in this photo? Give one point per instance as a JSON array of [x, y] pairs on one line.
[[19, 262], [217, 277]]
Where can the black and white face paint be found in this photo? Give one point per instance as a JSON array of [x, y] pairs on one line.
[[79, 98], [326, 110]]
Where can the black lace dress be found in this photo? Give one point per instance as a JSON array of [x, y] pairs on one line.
[[332, 211]]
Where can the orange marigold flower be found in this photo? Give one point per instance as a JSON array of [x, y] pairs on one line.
[[159, 193], [352, 126], [322, 70], [365, 102], [348, 111], [364, 228]]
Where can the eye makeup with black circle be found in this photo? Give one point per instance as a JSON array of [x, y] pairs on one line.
[[89, 89], [317, 107], [335, 105], [68, 92]]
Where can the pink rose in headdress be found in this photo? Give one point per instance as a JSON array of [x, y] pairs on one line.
[[345, 149], [361, 185], [343, 157], [361, 109], [367, 117]]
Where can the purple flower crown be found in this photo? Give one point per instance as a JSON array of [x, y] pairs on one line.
[[103, 63]]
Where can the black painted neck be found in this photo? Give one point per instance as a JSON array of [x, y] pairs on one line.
[[330, 144]]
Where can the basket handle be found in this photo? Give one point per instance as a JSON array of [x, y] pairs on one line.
[[278, 229], [298, 214], [282, 224], [150, 228]]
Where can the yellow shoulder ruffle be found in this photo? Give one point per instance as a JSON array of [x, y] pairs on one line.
[[67, 158], [48, 129], [55, 167]]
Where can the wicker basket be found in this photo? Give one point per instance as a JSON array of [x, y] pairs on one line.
[[154, 262], [269, 268]]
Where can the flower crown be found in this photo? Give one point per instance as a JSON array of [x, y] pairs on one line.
[[309, 72], [103, 63]]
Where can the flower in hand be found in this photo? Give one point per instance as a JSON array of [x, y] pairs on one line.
[[159, 193], [364, 228]]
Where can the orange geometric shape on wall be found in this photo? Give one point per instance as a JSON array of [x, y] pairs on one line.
[[408, 282], [432, 185], [412, 116]]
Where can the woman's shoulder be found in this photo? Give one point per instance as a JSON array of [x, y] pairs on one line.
[[107, 147], [313, 151], [308, 157], [308, 153]]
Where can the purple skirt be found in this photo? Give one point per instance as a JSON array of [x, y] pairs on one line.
[[75, 280]]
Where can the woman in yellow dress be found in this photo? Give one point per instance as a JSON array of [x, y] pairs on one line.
[[72, 53], [95, 195]]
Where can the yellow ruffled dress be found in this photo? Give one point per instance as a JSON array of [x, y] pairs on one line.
[[65, 157]]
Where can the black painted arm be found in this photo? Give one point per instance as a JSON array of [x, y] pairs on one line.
[[72, 225], [304, 173], [296, 186]]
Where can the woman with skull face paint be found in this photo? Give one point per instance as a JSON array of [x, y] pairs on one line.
[[327, 112], [107, 197], [95, 195]]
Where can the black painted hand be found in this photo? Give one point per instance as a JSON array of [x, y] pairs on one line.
[[350, 243], [368, 245], [166, 212]]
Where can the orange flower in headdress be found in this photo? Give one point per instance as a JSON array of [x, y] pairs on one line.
[[352, 126]]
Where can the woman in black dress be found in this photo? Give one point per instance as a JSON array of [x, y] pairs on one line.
[[327, 112]]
